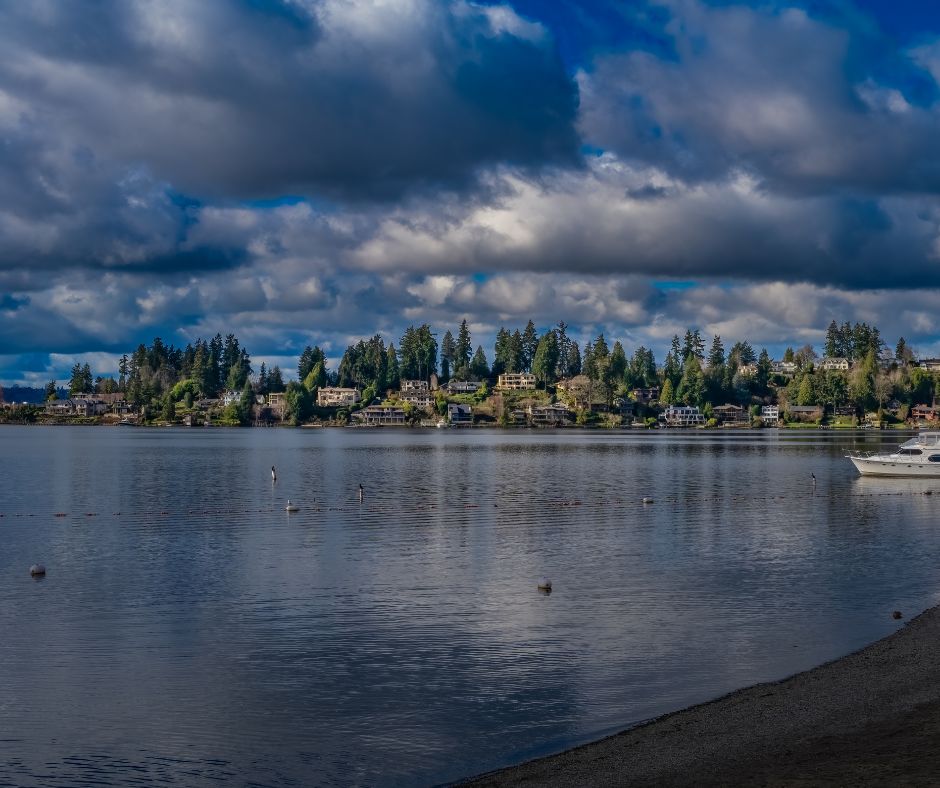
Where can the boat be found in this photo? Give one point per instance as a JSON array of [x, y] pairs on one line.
[[919, 456]]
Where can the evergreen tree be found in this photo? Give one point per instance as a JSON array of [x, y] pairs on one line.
[[530, 343], [805, 395], [574, 359], [51, 391], [448, 349], [666, 396], [263, 379], [763, 371], [392, 374], [545, 359], [716, 356], [834, 344], [478, 366], [788, 354], [463, 348], [671, 370], [561, 339], [741, 355], [691, 389], [900, 351], [275, 380]]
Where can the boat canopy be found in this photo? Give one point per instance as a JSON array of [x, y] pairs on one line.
[[923, 439]]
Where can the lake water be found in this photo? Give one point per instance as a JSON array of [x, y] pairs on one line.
[[191, 632]]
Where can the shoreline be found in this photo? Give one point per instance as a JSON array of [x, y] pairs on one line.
[[871, 717]]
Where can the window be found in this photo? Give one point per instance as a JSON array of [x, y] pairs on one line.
[[910, 452], [934, 458]]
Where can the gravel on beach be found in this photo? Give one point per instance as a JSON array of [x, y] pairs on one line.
[[871, 718]]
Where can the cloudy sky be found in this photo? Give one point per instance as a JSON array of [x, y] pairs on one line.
[[314, 171]]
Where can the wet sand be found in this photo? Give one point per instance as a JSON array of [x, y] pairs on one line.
[[871, 718]]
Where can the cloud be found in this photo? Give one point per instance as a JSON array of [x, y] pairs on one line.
[[787, 97], [350, 98]]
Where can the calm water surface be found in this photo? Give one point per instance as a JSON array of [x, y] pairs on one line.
[[190, 632]]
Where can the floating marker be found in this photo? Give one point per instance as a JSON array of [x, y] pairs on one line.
[[545, 584], [647, 500], [291, 507], [37, 570]]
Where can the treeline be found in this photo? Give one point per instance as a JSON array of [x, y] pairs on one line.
[[693, 372]]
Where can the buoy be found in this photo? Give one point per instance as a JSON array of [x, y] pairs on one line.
[[647, 500], [545, 584], [273, 474], [291, 507], [897, 614], [37, 570], [361, 493]]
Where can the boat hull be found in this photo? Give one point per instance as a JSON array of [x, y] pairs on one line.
[[870, 466]]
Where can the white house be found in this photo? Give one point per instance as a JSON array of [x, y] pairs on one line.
[[770, 414], [332, 397], [515, 381], [682, 416], [834, 363]]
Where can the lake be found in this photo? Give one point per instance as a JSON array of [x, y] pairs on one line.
[[191, 632]]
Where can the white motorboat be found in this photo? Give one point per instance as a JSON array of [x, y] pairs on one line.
[[919, 456]]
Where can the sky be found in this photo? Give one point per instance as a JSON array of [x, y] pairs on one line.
[[316, 171]]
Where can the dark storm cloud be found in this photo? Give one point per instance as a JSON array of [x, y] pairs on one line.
[[261, 99]]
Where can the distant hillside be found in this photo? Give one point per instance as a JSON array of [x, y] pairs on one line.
[[30, 394]]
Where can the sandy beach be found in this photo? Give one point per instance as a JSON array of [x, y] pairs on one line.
[[870, 718]]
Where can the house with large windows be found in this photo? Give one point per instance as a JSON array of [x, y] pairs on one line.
[[682, 416], [334, 397], [515, 381]]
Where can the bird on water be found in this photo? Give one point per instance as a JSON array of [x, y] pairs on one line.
[[361, 493], [273, 474]]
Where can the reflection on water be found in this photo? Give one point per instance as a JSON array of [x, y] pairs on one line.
[[191, 631]]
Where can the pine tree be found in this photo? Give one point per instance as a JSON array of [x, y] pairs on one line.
[[463, 349], [666, 395], [478, 366], [716, 356], [530, 343], [545, 359]]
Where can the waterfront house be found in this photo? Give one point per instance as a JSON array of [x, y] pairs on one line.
[[415, 387], [925, 413], [230, 398], [549, 415], [682, 416], [731, 414], [844, 411], [463, 386], [646, 396], [784, 367], [416, 392], [748, 370], [515, 381], [930, 364], [277, 402], [836, 363], [770, 414], [805, 412], [388, 415], [76, 406], [335, 397], [460, 415]]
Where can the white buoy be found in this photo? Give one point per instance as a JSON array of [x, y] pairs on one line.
[[291, 507], [273, 474], [545, 584], [647, 500], [37, 570]]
